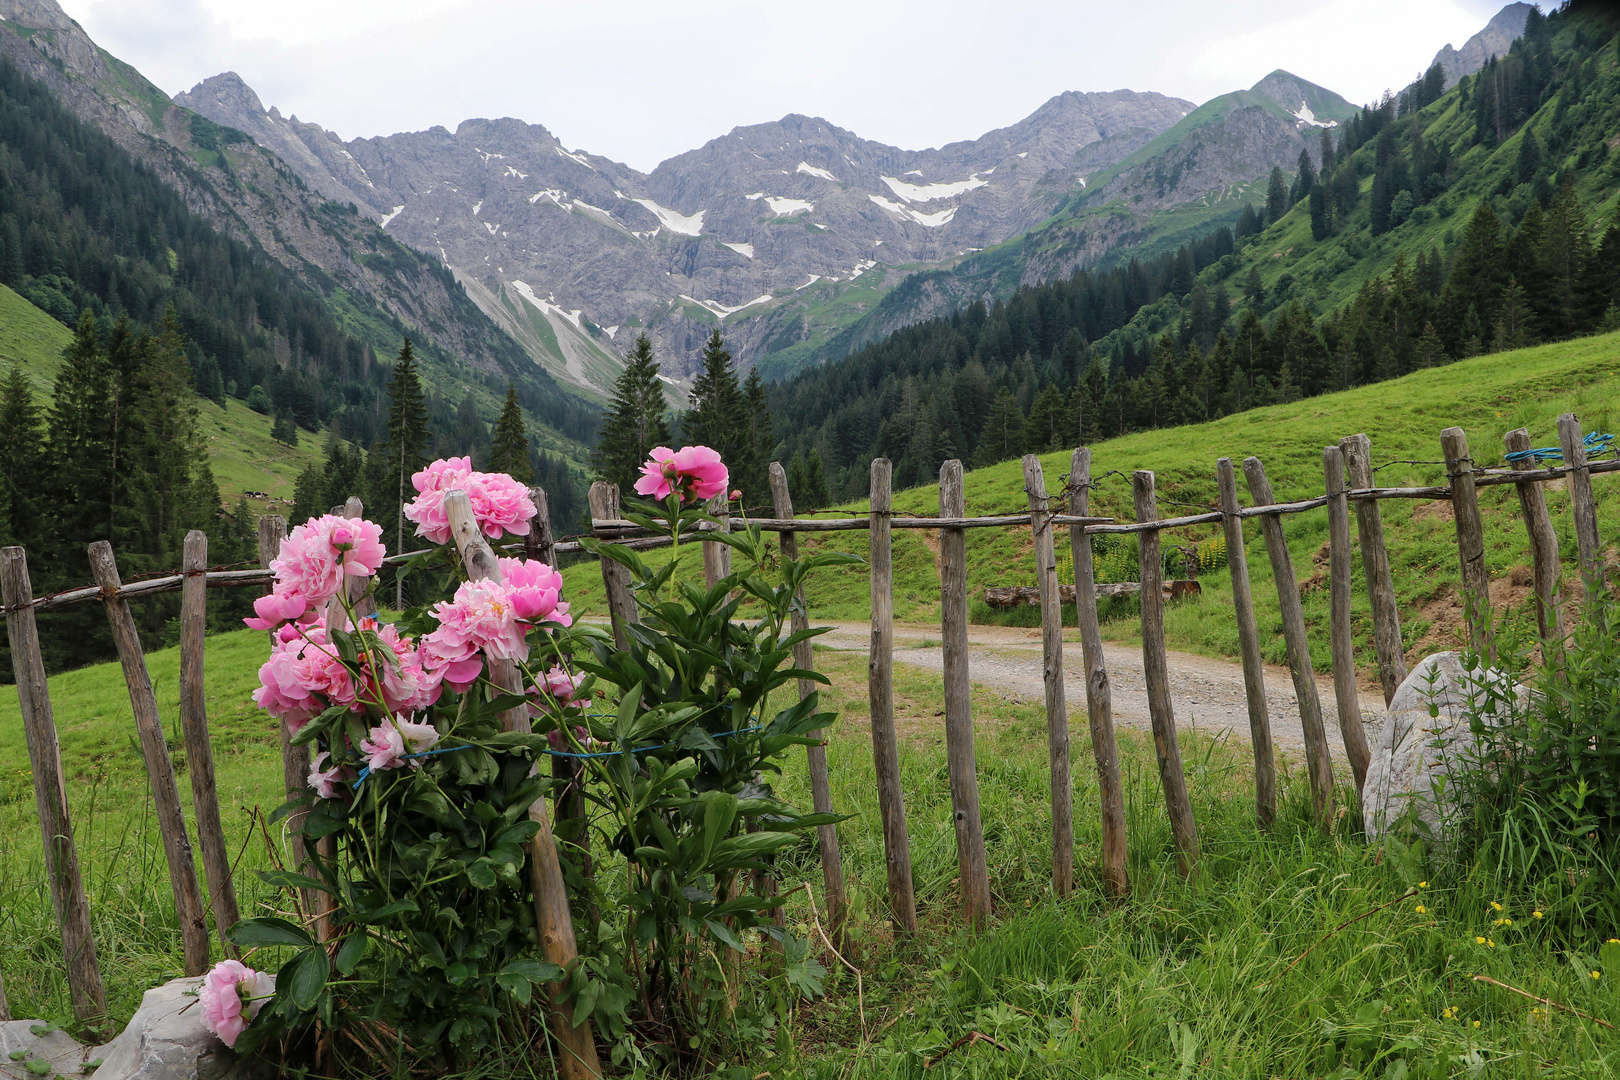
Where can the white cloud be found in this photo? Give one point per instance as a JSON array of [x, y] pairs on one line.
[[374, 67]]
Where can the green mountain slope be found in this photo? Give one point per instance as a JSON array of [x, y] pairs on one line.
[[241, 452]]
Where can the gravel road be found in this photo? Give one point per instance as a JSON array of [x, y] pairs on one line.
[[1207, 694]]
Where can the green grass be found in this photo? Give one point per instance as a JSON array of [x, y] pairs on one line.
[[1183, 978], [240, 450], [1487, 396]]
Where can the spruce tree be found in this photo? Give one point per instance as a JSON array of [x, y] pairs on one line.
[[635, 420], [409, 436], [23, 476], [816, 495], [1276, 196], [755, 481], [719, 415], [509, 445], [1003, 433], [80, 441]]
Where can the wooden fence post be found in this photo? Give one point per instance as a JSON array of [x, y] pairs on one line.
[[1386, 613], [188, 903], [1318, 761], [199, 750], [1476, 592], [358, 588], [832, 860], [1254, 672], [1156, 672], [953, 619], [1543, 550], [1099, 697], [5, 1006], [1057, 714], [1341, 633], [554, 920], [85, 989], [1573, 442], [880, 694], [717, 556], [604, 501], [294, 759], [541, 543]]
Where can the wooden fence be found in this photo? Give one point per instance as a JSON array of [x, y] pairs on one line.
[[1348, 474]]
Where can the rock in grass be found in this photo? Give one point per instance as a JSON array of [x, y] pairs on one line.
[[25, 1043], [1426, 741], [166, 1040]]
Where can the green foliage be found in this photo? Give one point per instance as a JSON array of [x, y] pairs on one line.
[[635, 420], [509, 445]]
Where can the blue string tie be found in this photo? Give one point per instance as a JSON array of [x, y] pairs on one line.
[[1596, 442]]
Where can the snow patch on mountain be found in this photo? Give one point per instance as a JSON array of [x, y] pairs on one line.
[[674, 220], [932, 221], [721, 309], [1307, 118], [746, 250], [548, 306], [390, 216], [810, 170], [930, 192], [783, 207], [576, 158], [511, 172]]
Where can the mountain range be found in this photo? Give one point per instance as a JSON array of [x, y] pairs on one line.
[[789, 234]]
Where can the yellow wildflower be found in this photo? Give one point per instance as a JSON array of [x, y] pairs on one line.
[[1476, 1023], [1423, 884], [1503, 922], [1489, 944], [1421, 910], [1495, 906], [1479, 940], [1597, 975], [1535, 914]]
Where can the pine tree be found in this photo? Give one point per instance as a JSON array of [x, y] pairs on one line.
[[309, 495], [23, 477], [509, 446], [1254, 291], [816, 495], [80, 439], [1002, 437], [409, 436], [283, 429], [755, 481], [634, 422], [1276, 196], [719, 415], [1304, 180]]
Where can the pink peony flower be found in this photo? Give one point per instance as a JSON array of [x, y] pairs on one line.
[[695, 472], [325, 782], [481, 618], [409, 681], [314, 561], [499, 503], [419, 737], [535, 589], [231, 995], [384, 747], [563, 686], [303, 676]]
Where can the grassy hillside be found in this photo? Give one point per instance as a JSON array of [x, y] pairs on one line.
[[243, 455], [1487, 396]]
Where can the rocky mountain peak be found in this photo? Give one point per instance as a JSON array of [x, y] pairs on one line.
[[36, 14], [229, 91], [1494, 40]]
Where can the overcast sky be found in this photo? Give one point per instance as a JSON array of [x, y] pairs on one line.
[[642, 80]]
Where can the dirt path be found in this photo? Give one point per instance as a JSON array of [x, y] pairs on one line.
[[1207, 694]]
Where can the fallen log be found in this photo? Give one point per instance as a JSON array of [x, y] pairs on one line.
[[1002, 597]]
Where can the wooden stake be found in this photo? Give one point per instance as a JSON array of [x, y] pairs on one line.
[[1254, 672], [1318, 761], [604, 501], [1476, 593], [1156, 672], [880, 692], [199, 749], [717, 556], [953, 620], [1357, 450], [541, 543], [1573, 441], [1341, 633], [832, 860], [85, 988], [188, 902], [1099, 697], [1543, 551], [1057, 714], [358, 588], [576, 1045]]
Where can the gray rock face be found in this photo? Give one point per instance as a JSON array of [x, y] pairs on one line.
[[65, 1054], [167, 1040], [564, 247], [1415, 753], [1495, 40]]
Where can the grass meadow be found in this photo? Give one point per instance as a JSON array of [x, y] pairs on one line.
[[1184, 978]]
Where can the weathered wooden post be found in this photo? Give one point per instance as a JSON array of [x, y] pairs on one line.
[[1341, 632], [604, 500], [1057, 714], [1543, 550], [716, 555], [1254, 672], [1476, 591], [832, 860], [357, 589], [199, 750], [5, 1006], [1318, 761], [1156, 673], [540, 545], [85, 989], [555, 922], [953, 618], [1099, 696], [880, 694], [1386, 614], [541, 542], [188, 904], [1573, 442]]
